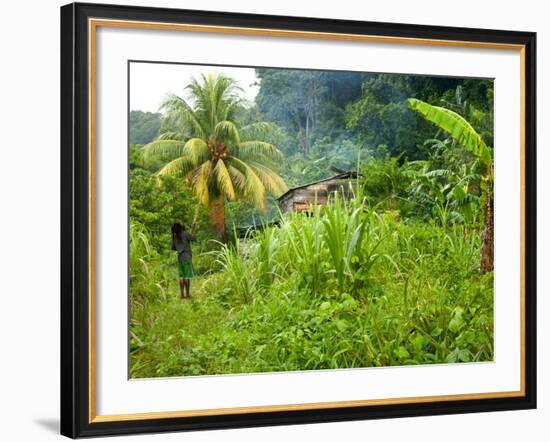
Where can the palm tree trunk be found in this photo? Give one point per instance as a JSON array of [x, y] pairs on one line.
[[487, 244], [217, 215]]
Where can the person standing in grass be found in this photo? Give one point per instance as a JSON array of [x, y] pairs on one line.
[[181, 243]]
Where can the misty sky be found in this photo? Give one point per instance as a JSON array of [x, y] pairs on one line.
[[149, 82]]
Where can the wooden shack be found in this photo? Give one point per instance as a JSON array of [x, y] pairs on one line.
[[301, 198]]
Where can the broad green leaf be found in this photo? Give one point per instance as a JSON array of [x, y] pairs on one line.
[[401, 352], [454, 125]]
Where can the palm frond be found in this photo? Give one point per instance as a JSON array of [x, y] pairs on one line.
[[162, 149], [171, 136], [180, 166], [200, 179], [214, 96], [272, 182], [227, 131], [254, 189], [179, 111], [223, 180], [196, 150], [238, 178], [261, 130], [229, 109], [225, 89], [258, 150]]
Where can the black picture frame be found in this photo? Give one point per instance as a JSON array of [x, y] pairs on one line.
[[75, 220]]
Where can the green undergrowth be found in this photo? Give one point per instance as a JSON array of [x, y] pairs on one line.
[[344, 287]]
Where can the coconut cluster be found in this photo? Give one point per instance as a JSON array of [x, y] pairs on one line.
[[218, 149]]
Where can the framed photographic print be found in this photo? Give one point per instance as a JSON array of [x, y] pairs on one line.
[[274, 220]]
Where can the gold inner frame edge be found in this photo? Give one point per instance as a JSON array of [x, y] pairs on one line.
[[93, 23]]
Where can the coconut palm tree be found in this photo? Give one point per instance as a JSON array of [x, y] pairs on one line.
[[462, 131], [220, 160]]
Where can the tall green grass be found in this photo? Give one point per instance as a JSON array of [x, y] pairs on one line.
[[343, 286]]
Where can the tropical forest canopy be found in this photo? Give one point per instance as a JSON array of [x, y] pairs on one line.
[[144, 126], [327, 119]]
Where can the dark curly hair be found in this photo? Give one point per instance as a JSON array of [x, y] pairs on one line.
[[177, 231]]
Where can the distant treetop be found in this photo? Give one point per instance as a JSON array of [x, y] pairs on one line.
[[144, 126]]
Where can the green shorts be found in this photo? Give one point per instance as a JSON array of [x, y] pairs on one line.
[[185, 269]]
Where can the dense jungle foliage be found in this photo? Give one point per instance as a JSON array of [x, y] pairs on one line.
[[389, 277]]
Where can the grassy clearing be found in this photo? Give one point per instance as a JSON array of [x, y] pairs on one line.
[[344, 287]]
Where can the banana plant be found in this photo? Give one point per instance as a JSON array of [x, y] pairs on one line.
[[447, 191], [463, 132]]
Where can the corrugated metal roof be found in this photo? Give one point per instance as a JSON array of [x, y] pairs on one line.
[[342, 175]]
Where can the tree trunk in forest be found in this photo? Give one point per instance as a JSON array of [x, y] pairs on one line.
[[217, 215], [487, 245], [306, 138]]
